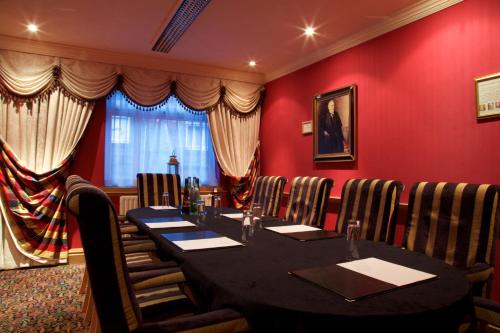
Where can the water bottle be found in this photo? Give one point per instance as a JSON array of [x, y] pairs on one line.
[[185, 197]]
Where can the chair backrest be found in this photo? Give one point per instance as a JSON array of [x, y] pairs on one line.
[[456, 222], [74, 179], [150, 187], [374, 202], [268, 191], [308, 200], [115, 302]]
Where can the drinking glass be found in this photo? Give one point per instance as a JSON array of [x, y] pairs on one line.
[[246, 226], [201, 211], [165, 199], [353, 232], [257, 215], [217, 205]]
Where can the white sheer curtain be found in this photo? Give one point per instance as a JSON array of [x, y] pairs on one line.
[[44, 133], [142, 141]]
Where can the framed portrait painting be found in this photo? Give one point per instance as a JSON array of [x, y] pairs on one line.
[[334, 124]]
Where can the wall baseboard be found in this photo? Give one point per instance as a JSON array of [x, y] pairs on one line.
[[76, 256]]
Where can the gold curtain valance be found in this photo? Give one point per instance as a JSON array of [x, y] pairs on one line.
[[27, 77]]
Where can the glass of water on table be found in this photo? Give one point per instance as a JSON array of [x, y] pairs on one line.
[[257, 215], [246, 226]]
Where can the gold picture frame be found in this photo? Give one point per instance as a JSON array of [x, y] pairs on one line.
[[487, 96], [334, 125]]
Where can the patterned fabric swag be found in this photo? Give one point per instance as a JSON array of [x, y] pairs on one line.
[[242, 188], [453, 222], [268, 192], [374, 202], [35, 206]]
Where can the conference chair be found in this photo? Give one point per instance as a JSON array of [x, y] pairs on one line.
[[455, 222], [487, 314], [117, 305], [374, 203], [308, 200], [145, 268], [134, 242], [151, 186], [268, 192]]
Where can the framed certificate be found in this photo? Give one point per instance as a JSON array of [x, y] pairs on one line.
[[488, 96]]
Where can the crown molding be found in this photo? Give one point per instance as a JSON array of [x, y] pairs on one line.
[[402, 18], [126, 59]]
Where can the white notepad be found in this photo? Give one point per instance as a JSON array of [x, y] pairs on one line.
[[170, 224], [386, 271], [292, 228], [206, 243], [234, 215], [161, 207]]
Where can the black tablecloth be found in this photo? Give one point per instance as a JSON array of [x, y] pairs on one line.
[[254, 280]]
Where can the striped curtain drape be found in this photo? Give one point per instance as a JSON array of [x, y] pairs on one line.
[[32, 205], [242, 188]]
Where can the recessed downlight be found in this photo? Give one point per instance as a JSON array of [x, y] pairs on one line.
[[32, 27], [309, 31]]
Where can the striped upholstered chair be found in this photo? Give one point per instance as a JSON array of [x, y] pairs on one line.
[[487, 314], [458, 224], [374, 202], [145, 268], [118, 297], [150, 187], [268, 191], [135, 244], [308, 200]]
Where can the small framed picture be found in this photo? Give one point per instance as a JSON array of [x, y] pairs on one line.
[[334, 125], [307, 127], [488, 96]]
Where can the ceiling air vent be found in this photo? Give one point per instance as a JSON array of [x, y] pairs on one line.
[[185, 15]]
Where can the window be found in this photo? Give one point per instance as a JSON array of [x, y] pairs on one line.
[[120, 129], [142, 141]]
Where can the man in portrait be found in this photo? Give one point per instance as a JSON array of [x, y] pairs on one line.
[[330, 137]]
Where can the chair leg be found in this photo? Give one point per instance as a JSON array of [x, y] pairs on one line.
[[95, 327], [85, 283], [88, 308]]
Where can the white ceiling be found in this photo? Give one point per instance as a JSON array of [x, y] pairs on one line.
[[227, 34]]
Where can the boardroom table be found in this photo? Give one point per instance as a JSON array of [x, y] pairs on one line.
[[255, 279]]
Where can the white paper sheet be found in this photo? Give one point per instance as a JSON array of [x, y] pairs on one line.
[[206, 243], [161, 207], [292, 228], [234, 215], [387, 271], [172, 224]]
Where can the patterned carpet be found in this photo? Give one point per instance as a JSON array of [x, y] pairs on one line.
[[41, 299]]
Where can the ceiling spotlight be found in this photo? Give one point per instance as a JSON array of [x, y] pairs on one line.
[[252, 63], [309, 31], [32, 27]]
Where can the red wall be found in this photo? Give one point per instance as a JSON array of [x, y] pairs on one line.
[[89, 161], [416, 105]]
